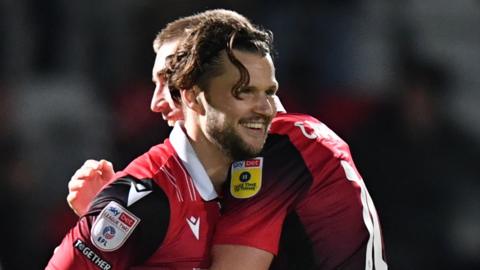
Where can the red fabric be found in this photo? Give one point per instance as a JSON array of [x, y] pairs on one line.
[[180, 248], [328, 204]]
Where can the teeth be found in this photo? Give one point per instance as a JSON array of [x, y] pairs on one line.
[[254, 125]]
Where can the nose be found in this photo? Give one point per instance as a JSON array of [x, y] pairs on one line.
[[265, 105], [158, 103]]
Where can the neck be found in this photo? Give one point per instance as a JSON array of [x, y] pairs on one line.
[[213, 159]]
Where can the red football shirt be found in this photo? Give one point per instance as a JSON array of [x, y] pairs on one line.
[[159, 214], [305, 170]]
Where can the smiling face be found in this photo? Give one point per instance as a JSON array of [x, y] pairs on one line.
[[239, 126]]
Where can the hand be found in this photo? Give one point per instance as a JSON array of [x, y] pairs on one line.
[[87, 182]]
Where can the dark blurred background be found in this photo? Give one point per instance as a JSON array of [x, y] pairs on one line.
[[398, 80]]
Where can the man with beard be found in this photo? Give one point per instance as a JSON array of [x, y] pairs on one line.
[[161, 210], [305, 175]]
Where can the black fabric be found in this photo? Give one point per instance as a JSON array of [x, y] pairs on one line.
[[153, 211], [285, 172], [296, 250], [292, 180]]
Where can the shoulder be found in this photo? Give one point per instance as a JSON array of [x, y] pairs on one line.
[[129, 192], [302, 126], [309, 134], [148, 164], [132, 209]]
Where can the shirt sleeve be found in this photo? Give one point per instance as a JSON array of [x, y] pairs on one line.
[[338, 213], [340, 223], [124, 226]]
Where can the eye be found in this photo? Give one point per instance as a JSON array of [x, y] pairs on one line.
[[245, 91], [271, 92]]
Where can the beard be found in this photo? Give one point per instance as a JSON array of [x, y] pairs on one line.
[[229, 141]]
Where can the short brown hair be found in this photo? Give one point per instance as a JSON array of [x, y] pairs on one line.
[[179, 28]]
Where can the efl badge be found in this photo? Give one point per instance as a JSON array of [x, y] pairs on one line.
[[246, 178], [112, 227]]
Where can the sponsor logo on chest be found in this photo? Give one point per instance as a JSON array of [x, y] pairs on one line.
[[112, 227], [246, 178]]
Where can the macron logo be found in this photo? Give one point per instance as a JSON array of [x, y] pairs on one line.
[[137, 191], [194, 224]]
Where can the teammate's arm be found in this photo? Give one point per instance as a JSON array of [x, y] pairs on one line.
[[125, 224]]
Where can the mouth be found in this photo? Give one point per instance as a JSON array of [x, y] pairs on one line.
[[255, 127]]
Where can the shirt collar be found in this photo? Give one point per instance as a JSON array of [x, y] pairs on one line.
[[192, 164]]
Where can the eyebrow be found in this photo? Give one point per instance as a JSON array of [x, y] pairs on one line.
[[271, 87]]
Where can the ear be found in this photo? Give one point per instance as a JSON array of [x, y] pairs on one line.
[[193, 98]]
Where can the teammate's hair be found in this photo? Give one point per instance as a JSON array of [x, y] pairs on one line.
[[202, 39], [179, 28]]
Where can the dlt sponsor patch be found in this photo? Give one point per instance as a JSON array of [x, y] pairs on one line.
[[112, 227], [246, 178]]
